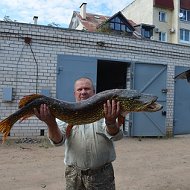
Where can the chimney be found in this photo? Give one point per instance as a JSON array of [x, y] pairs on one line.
[[83, 10], [35, 19]]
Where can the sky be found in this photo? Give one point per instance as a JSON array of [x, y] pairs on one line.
[[56, 11]]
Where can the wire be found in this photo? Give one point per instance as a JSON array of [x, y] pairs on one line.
[[37, 75], [36, 68], [17, 67]]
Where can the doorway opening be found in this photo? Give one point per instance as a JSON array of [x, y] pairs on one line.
[[111, 75]]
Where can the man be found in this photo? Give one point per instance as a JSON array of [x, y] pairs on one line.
[[89, 150]]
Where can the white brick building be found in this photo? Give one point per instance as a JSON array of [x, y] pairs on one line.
[[19, 69]]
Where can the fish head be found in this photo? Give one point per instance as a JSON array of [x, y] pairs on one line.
[[138, 102]]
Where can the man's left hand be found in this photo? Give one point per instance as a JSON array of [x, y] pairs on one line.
[[111, 111]]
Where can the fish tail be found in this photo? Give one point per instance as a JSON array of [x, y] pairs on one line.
[[5, 127], [68, 130], [121, 120], [27, 99]]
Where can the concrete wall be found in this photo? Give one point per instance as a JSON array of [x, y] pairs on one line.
[[140, 11], [18, 67]]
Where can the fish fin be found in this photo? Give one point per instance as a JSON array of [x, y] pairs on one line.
[[68, 130], [25, 117], [27, 99], [5, 127], [121, 120]]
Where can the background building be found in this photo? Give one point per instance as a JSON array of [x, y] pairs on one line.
[[47, 60], [170, 18], [116, 24]]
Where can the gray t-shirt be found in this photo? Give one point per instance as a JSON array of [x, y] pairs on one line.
[[89, 145]]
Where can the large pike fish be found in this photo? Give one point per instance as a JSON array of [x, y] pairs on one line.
[[86, 111]]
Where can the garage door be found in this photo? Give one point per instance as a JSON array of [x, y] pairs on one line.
[[150, 79], [181, 104], [70, 68]]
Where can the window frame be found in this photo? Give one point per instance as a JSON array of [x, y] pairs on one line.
[[162, 35], [161, 17], [186, 15], [183, 35], [146, 33], [117, 24]]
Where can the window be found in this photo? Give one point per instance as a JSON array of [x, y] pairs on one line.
[[184, 35], [146, 33], [162, 16], [162, 36], [184, 15], [117, 24]]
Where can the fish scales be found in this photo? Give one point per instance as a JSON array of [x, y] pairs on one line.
[[83, 112]]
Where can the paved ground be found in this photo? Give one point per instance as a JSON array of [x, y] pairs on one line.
[[149, 164]]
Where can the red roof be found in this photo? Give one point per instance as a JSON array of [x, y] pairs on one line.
[[185, 4], [166, 4], [92, 20]]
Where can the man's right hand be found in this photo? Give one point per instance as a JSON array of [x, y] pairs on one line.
[[44, 114]]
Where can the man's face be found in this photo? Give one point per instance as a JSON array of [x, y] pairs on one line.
[[83, 89]]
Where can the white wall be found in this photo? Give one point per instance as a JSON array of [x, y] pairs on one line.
[[48, 42]]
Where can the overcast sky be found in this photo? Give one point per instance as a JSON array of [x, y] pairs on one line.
[[57, 11]]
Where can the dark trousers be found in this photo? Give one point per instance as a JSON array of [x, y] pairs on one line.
[[98, 179]]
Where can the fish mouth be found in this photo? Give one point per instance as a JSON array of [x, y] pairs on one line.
[[153, 106]]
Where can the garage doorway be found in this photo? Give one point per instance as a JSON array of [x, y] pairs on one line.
[[111, 75]]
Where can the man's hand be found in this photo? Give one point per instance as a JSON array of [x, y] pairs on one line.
[[44, 114], [111, 111]]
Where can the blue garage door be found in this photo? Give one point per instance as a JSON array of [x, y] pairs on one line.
[[70, 68], [181, 104], [150, 79]]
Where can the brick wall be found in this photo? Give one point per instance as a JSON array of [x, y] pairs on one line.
[[19, 69]]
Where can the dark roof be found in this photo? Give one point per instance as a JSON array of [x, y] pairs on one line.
[[124, 18], [166, 4], [145, 25], [185, 4]]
